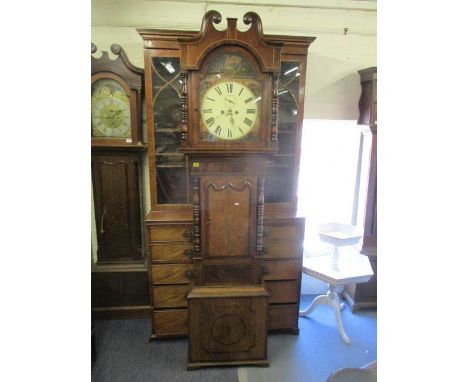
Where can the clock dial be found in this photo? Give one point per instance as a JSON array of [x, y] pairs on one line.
[[229, 110], [110, 110]]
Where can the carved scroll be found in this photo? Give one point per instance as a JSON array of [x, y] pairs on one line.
[[260, 213], [274, 111], [196, 218], [183, 104]]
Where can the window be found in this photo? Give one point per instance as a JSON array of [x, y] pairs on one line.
[[333, 177]]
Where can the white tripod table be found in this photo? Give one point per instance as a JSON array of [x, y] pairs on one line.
[[337, 270]]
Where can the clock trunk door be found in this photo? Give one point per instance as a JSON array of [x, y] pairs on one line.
[[228, 228]]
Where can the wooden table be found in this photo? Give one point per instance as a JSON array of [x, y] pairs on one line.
[[350, 268]]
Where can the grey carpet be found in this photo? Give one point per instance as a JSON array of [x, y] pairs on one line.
[[318, 350], [125, 355]]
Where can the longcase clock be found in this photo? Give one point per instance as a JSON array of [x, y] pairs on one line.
[[119, 274], [224, 111]]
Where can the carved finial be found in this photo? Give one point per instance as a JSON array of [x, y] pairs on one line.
[[93, 48], [250, 18], [116, 49], [211, 17]]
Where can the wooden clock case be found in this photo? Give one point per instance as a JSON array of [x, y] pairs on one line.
[[119, 273], [254, 269], [364, 295]]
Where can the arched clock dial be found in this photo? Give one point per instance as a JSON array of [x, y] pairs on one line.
[[110, 110], [229, 110]]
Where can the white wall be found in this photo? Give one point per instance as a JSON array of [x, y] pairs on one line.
[[332, 87]]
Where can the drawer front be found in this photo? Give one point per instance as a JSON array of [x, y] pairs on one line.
[[184, 233], [169, 322], [282, 269], [171, 252], [170, 296], [283, 317], [171, 273], [286, 232], [282, 291], [282, 249]]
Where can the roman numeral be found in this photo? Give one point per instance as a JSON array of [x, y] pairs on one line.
[[229, 87], [250, 111], [248, 100], [229, 133], [209, 121], [218, 90], [248, 122], [209, 110], [240, 130], [218, 130], [241, 91], [211, 99]]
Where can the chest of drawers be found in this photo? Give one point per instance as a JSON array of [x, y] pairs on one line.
[[171, 273]]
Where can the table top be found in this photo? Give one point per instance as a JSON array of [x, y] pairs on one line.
[[350, 268]]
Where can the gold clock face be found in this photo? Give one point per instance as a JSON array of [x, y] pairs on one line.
[[110, 110], [229, 110]]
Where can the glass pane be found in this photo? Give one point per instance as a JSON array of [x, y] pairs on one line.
[[167, 111], [279, 181], [171, 172], [172, 183], [110, 110]]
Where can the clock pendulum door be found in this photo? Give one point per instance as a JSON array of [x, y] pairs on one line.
[[228, 306]]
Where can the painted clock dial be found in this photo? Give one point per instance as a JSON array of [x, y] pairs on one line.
[[229, 110], [110, 110]]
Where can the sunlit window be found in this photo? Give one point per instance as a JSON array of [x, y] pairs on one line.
[[333, 177]]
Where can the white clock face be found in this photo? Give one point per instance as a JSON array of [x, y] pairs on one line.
[[110, 110], [229, 110]]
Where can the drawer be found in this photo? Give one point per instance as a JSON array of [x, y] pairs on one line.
[[287, 232], [283, 317], [183, 233], [282, 249], [171, 251], [170, 296], [282, 291], [171, 273], [170, 322], [282, 269]]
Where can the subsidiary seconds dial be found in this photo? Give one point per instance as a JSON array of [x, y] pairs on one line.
[[229, 110]]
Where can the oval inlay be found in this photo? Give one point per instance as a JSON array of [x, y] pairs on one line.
[[228, 329]]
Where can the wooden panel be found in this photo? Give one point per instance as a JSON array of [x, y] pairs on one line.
[[287, 232], [171, 296], [283, 317], [171, 233], [227, 204], [282, 291], [282, 269], [227, 328], [228, 274], [171, 273], [282, 249], [167, 322], [171, 252], [113, 289], [117, 207]]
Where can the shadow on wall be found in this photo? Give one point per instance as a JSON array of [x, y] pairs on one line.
[[338, 99]]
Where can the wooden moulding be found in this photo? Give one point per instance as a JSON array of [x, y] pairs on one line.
[[194, 49]]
